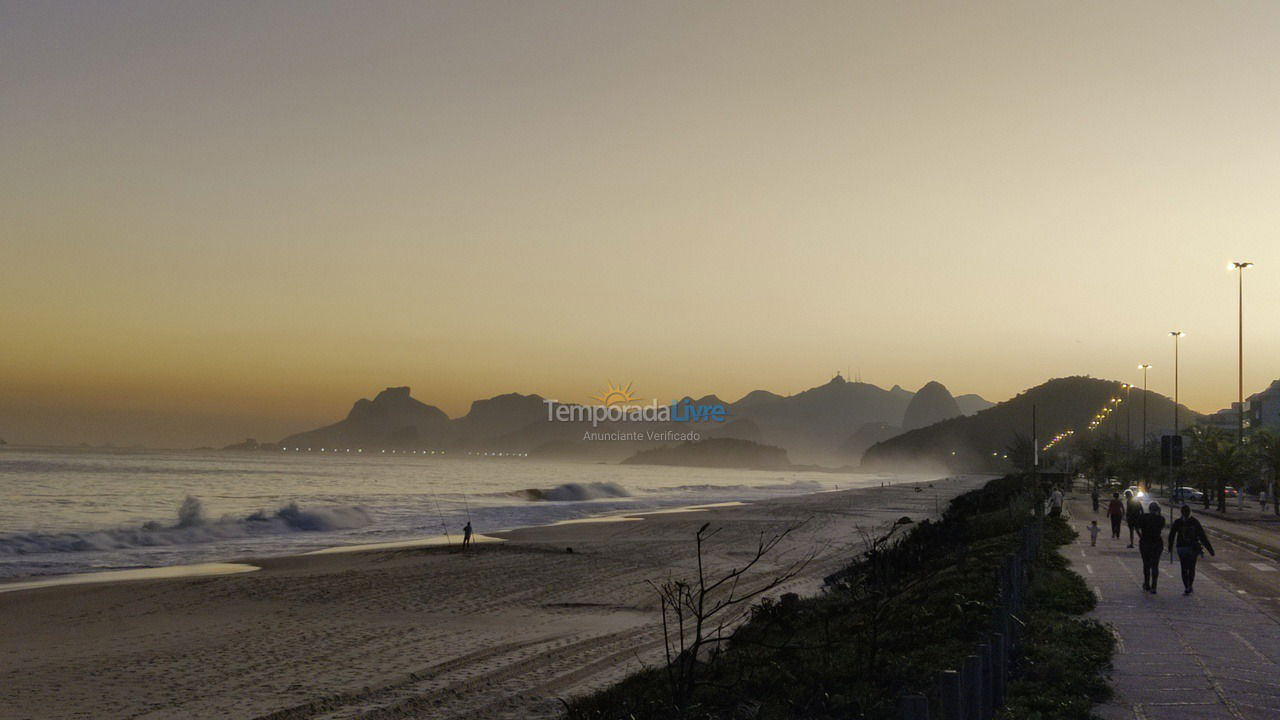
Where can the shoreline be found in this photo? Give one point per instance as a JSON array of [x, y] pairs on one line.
[[499, 631], [212, 566]]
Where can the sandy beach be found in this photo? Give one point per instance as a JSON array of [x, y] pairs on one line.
[[501, 631]]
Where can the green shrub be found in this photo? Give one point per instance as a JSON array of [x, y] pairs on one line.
[[887, 623]]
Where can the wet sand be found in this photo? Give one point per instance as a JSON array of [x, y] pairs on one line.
[[501, 631]]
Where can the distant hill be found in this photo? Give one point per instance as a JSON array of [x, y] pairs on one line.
[[500, 415], [968, 442], [757, 397], [901, 392], [816, 425], [391, 419], [868, 435], [931, 404], [970, 403], [715, 452]]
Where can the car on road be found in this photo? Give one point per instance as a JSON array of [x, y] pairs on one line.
[[1187, 495], [1230, 492]]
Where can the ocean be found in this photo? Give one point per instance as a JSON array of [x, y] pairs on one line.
[[70, 511]]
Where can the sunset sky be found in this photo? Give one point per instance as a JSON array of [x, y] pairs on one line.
[[224, 220]]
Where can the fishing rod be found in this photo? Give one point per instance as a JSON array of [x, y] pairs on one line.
[[448, 541], [467, 503]]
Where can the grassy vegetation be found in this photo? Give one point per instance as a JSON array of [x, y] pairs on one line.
[[913, 604], [1059, 674]]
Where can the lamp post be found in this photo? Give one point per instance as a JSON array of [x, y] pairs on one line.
[[1239, 268], [1115, 431], [1144, 367], [1177, 335], [1128, 420]]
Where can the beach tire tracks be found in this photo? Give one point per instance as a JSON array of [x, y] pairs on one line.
[[338, 701], [501, 677]]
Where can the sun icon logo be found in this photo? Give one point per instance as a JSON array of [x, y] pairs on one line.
[[616, 395]]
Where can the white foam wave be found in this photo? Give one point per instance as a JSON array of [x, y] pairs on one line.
[[577, 492], [192, 527]]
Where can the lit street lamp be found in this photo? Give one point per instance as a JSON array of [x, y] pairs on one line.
[[1239, 268], [1144, 367], [1177, 334], [1128, 419]]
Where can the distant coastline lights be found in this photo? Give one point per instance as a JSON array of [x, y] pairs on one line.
[[469, 453]]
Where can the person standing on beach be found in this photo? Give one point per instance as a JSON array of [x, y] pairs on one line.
[[1188, 536], [1132, 513], [1151, 546], [1115, 511], [466, 535]]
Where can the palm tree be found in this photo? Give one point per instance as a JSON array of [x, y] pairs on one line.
[[1266, 448], [1216, 461]]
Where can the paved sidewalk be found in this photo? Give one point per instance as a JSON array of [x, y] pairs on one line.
[[1213, 654]]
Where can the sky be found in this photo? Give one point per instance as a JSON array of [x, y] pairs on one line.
[[229, 220]]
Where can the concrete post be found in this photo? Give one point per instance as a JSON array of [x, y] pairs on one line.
[[986, 686], [999, 673], [914, 707], [949, 693], [971, 677]]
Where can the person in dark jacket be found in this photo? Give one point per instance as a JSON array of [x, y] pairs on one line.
[[1132, 512], [1190, 539], [1115, 511], [1151, 545]]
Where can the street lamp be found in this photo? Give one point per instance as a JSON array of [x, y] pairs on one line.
[[1144, 367], [1177, 335], [1128, 419], [1239, 268]]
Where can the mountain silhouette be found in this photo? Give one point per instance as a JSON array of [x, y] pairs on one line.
[[391, 419], [868, 435], [816, 425], [757, 397], [976, 442], [932, 403], [813, 425], [970, 403], [500, 415]]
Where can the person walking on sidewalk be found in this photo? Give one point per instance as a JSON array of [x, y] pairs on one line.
[[1132, 513], [1189, 537], [1115, 511], [1055, 503], [1151, 545]]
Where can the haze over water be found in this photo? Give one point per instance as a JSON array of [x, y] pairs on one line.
[[70, 511]]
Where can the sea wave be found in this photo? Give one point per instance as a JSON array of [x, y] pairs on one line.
[[803, 485], [191, 527], [576, 492]]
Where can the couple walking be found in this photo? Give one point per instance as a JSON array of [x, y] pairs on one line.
[[1186, 534], [1129, 512]]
